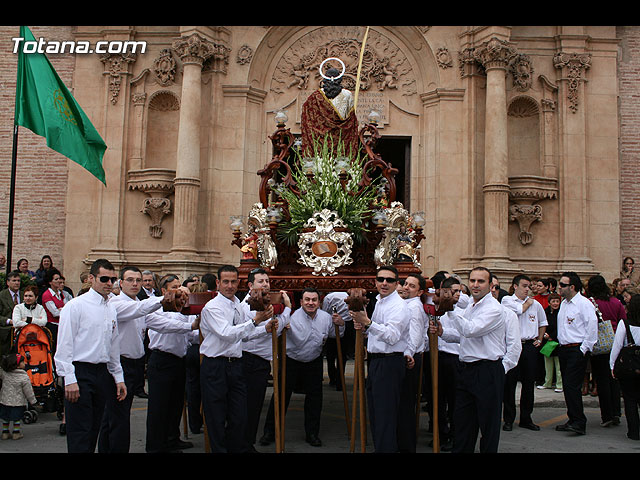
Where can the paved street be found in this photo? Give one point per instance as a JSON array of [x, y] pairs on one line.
[[43, 436]]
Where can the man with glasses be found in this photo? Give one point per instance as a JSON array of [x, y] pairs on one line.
[[88, 358], [387, 334], [577, 334], [134, 317], [224, 388]]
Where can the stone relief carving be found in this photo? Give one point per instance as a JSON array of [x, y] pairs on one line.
[[117, 65], [444, 58], [521, 69], [494, 53], [245, 54], [158, 184], [576, 64], [156, 208], [525, 215], [384, 66], [164, 68]]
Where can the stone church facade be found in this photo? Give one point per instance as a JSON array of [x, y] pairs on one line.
[[517, 142]]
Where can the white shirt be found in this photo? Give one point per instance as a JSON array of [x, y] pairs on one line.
[[88, 332], [620, 340], [578, 323], [513, 340], [307, 336], [482, 328], [389, 329], [418, 327], [449, 343], [175, 343], [21, 313], [259, 342], [135, 316], [336, 299], [222, 327], [531, 320]]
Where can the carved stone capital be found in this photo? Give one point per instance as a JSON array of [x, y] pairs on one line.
[[193, 49], [117, 66], [494, 53]]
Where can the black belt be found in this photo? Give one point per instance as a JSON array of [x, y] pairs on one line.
[[227, 359], [570, 345], [383, 355], [478, 363]]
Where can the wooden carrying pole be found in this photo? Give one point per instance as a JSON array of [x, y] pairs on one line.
[[276, 389], [433, 353], [342, 382], [358, 395]]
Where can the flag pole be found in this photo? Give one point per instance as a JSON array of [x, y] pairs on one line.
[[12, 194]]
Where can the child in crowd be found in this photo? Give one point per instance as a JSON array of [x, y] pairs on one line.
[[15, 393]]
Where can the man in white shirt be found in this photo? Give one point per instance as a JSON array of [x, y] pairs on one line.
[[257, 351], [88, 358], [482, 330], [332, 303], [387, 335], [533, 323], [309, 328], [224, 388], [413, 288], [134, 317], [577, 334]]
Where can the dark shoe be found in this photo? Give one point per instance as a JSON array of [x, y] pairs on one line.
[[180, 445], [530, 426], [507, 427], [562, 428], [314, 441], [447, 446], [63, 429], [633, 437], [141, 394], [574, 429], [267, 439]]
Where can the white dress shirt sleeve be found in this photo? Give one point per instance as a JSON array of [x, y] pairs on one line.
[[513, 341]]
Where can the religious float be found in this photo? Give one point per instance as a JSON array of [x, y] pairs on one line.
[[327, 215]]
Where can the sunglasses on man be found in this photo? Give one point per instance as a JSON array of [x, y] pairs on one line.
[[386, 279]]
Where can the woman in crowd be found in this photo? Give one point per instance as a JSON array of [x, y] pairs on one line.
[[610, 308], [53, 300], [23, 267], [45, 264], [628, 270], [30, 311], [630, 387]]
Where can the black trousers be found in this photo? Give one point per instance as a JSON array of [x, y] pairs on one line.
[[525, 371], [331, 352], [308, 375], [256, 372], [166, 381], [607, 390], [224, 401], [631, 396], [478, 407], [192, 388], [407, 410], [573, 365], [115, 431], [447, 379], [383, 387], [83, 418]]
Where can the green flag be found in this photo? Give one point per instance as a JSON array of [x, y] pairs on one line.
[[47, 108]]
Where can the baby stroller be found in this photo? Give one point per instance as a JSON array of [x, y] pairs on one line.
[[34, 343]]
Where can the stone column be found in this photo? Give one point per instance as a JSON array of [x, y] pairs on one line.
[[494, 55], [193, 51]]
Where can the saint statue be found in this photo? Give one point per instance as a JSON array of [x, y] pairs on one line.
[[329, 113]]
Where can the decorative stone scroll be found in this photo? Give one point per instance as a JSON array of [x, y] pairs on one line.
[[525, 215], [158, 184], [577, 64]]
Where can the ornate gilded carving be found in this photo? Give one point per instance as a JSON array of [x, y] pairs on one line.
[[525, 215], [399, 239], [325, 244], [164, 68], [576, 64], [258, 237], [521, 69], [117, 65]]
